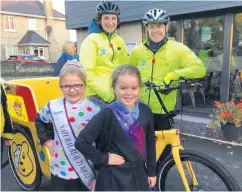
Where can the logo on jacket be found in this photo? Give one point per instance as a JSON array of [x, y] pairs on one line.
[[103, 51], [142, 63]]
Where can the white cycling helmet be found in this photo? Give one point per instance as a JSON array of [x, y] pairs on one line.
[[157, 16]]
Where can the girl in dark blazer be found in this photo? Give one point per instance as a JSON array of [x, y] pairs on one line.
[[124, 136]]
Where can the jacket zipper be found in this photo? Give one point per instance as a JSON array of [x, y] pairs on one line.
[[152, 74], [111, 45]]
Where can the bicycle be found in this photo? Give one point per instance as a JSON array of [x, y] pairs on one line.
[[182, 161]]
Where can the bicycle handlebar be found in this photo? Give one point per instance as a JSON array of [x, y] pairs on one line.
[[166, 90]]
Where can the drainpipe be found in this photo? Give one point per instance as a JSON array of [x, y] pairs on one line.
[[48, 14]]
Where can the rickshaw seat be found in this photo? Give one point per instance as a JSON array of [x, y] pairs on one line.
[[43, 89]]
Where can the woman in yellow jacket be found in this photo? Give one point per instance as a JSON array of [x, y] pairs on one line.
[[161, 60], [101, 52]]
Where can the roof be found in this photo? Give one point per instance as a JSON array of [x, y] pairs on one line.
[[79, 13], [32, 7], [31, 37]]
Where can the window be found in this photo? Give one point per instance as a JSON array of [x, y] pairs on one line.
[[172, 30], [25, 51], [11, 50], [35, 58], [236, 68], [204, 36], [33, 24], [27, 57], [9, 23], [41, 52], [13, 57]]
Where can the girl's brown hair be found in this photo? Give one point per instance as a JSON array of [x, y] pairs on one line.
[[123, 70]]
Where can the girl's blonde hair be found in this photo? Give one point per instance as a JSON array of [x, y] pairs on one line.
[[66, 45], [73, 67]]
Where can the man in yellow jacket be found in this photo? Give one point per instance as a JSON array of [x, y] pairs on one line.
[[161, 60], [101, 52]]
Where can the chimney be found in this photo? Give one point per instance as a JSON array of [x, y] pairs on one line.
[[48, 8]]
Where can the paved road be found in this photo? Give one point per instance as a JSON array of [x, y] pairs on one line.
[[229, 156]]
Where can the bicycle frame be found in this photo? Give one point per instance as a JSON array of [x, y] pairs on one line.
[[172, 137]]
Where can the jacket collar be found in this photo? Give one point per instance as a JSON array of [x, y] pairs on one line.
[[134, 111]]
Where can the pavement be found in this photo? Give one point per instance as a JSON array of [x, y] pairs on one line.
[[230, 156]]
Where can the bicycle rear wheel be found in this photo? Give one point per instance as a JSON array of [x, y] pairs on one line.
[[211, 175]]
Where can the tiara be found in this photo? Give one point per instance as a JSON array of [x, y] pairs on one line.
[[72, 64]]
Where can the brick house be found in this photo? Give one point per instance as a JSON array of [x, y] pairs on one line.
[[32, 27]]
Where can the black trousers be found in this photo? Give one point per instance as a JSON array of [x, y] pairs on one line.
[[161, 122], [59, 184]]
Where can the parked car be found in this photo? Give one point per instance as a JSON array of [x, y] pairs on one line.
[[27, 59]]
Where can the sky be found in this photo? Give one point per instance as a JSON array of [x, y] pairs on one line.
[[59, 5]]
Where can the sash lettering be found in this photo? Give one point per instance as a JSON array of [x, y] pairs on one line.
[[67, 139]]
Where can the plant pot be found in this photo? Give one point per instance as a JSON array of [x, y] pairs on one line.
[[230, 132]]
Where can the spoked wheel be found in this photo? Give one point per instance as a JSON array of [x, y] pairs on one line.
[[24, 161], [210, 174]]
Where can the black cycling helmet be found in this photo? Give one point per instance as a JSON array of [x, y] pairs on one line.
[[108, 7], [157, 16]]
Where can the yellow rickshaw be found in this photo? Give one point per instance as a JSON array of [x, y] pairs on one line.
[[28, 159]]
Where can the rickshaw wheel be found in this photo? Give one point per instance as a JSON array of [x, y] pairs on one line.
[[24, 160]]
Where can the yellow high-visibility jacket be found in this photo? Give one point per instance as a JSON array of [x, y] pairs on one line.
[[171, 57], [100, 54]]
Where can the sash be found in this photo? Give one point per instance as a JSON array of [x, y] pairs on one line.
[[131, 127], [67, 137]]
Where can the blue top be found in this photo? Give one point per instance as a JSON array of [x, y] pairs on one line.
[[134, 111], [62, 60], [94, 28]]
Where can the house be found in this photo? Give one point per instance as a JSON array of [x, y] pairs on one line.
[[194, 23], [32, 27]]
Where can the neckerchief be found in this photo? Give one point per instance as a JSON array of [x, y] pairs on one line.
[[131, 127]]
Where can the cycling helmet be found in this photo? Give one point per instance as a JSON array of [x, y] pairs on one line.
[[157, 16], [108, 7]]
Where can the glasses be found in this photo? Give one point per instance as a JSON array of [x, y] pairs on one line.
[[77, 87]]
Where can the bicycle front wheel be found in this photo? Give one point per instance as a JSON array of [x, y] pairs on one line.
[[210, 174]]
